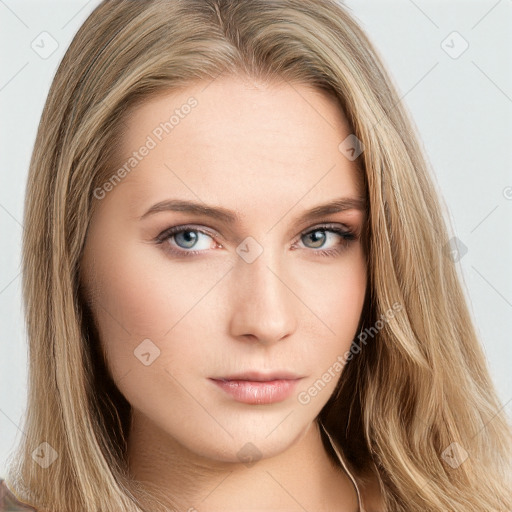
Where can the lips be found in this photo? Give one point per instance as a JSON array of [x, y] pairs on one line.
[[258, 388], [257, 376]]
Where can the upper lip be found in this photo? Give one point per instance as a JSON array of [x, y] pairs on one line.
[[261, 376]]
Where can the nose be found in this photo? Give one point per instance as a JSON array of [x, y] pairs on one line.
[[263, 303]]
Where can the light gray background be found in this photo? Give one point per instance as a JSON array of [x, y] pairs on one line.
[[462, 108]]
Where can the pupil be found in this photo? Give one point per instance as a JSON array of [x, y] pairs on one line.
[[316, 239], [190, 238]]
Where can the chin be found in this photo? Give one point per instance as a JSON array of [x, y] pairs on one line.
[[246, 439]]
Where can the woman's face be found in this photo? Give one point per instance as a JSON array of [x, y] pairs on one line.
[[255, 286]]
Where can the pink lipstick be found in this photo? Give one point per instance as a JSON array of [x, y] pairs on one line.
[[257, 388]]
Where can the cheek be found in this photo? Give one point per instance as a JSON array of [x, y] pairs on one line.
[[336, 297], [347, 293], [141, 295], [335, 294]]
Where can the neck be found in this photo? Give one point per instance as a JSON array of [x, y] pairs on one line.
[[301, 477]]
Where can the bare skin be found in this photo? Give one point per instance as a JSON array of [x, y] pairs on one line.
[[267, 152]]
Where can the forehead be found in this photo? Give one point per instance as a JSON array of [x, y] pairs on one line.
[[239, 142]]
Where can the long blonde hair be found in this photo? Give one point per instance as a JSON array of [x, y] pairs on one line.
[[419, 386]]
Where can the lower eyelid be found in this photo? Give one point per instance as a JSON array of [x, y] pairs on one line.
[[346, 235]]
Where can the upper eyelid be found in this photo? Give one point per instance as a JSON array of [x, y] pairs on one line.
[[167, 233]]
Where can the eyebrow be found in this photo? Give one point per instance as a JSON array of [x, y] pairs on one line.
[[230, 217]]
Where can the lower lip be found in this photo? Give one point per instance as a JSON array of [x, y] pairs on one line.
[[255, 392]]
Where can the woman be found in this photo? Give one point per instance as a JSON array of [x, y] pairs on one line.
[[236, 282]]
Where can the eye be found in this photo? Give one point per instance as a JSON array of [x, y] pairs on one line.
[[188, 238], [178, 240], [319, 236], [185, 238]]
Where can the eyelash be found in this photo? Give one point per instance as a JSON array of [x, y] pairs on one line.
[[346, 235]]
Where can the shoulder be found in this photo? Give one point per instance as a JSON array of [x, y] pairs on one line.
[[9, 502]]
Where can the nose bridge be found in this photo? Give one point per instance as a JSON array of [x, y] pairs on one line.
[[261, 276], [263, 306]]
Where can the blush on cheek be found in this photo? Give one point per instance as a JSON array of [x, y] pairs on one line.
[[132, 307]]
